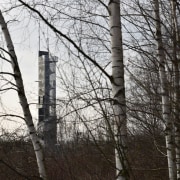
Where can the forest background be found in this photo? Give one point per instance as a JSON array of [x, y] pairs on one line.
[[117, 88]]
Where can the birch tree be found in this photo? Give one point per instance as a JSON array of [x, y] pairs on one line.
[[165, 42], [166, 108], [175, 61], [118, 88], [23, 100]]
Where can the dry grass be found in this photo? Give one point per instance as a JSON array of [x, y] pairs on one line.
[[82, 161]]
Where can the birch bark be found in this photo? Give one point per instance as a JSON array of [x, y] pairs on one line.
[[176, 60], [23, 100], [118, 88], [166, 111]]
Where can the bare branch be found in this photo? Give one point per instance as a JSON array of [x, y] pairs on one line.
[[67, 38]]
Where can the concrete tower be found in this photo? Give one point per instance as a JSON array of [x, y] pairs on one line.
[[47, 125]]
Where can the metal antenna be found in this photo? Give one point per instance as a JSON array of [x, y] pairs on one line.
[[39, 35], [47, 39]]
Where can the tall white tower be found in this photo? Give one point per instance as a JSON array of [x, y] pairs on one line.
[[47, 124]]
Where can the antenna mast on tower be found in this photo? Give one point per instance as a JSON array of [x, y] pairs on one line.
[[47, 124]]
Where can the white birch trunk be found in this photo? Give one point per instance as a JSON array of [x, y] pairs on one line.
[[176, 60], [165, 96], [23, 100], [118, 88]]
